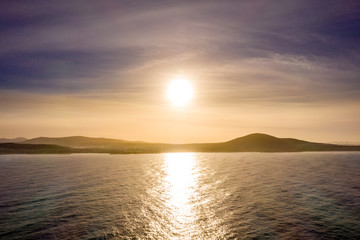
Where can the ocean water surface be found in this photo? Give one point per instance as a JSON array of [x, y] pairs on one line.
[[180, 196]]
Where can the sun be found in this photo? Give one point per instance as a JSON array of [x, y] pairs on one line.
[[180, 91]]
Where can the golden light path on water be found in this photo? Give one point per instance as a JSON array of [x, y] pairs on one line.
[[185, 202], [181, 181]]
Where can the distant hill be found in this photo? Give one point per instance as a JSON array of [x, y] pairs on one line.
[[77, 141], [256, 142], [100, 144], [12, 148], [12, 140], [266, 143]]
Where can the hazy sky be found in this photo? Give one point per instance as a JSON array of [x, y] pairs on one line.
[[101, 68]]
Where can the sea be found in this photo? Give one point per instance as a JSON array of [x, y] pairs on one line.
[[181, 196]]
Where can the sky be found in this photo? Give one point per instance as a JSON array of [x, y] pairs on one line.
[[101, 69]]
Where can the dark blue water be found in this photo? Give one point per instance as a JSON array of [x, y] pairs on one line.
[[181, 196]]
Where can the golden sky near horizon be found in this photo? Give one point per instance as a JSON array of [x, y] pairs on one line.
[[105, 70]]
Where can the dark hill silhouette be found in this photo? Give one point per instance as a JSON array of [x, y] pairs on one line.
[[256, 142], [77, 141], [265, 143], [9, 148], [12, 140], [100, 144]]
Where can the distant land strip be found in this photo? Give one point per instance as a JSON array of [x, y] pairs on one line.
[[256, 142]]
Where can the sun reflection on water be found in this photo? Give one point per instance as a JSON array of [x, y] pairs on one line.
[[184, 202], [181, 184]]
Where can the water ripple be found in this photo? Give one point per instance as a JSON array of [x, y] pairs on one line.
[[181, 196]]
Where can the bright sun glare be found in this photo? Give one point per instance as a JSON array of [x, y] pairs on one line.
[[180, 91]]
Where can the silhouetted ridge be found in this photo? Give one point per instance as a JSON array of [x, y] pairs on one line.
[[76, 141], [12, 140], [255, 137], [257, 142], [33, 148]]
